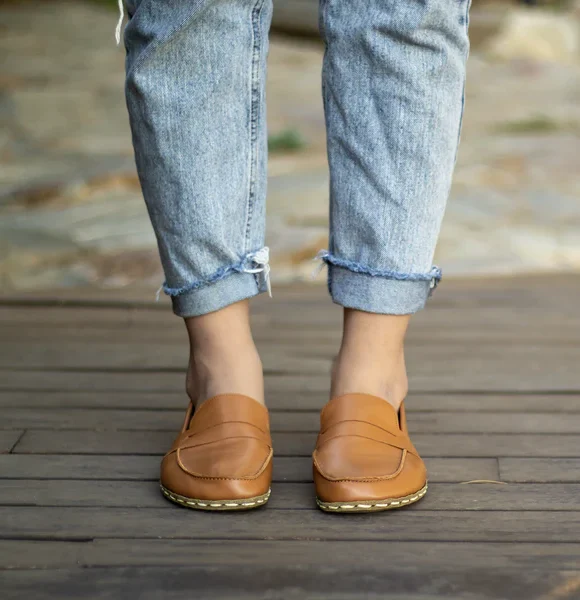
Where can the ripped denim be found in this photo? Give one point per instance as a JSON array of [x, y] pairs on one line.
[[393, 88]]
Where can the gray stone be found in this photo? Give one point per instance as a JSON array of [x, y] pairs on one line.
[[537, 35]]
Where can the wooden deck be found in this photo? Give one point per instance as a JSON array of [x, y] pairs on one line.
[[91, 396]]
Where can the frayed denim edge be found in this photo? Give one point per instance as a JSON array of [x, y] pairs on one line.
[[255, 262], [434, 276]]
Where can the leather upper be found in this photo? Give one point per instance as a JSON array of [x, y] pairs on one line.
[[224, 451], [363, 452]]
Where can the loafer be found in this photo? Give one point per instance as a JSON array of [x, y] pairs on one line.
[[364, 460], [222, 458]]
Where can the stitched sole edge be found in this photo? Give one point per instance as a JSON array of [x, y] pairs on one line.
[[218, 505], [362, 506]]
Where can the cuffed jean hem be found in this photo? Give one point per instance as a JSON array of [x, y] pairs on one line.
[[217, 295], [376, 294]]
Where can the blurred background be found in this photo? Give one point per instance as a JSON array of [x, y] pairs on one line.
[[71, 212]]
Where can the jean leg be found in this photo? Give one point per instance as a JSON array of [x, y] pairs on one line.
[[393, 86], [196, 100]]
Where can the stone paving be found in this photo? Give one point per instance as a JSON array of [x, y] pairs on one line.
[[71, 212]]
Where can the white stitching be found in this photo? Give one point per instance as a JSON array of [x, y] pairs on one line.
[[168, 494], [376, 505]]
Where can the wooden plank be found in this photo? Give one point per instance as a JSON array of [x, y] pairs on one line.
[[544, 470], [318, 312], [460, 345], [9, 439], [162, 420], [318, 318], [264, 581], [412, 524], [173, 381], [39, 554], [424, 378], [291, 328], [298, 496], [496, 444], [146, 468], [144, 381], [127, 355], [542, 364], [527, 292], [137, 442], [300, 443], [280, 400], [463, 422]]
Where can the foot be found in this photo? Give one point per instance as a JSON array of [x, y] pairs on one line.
[[223, 356], [364, 460], [222, 457], [371, 358]]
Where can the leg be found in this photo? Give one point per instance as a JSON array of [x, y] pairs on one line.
[[223, 356], [393, 83], [195, 94], [371, 358], [393, 91]]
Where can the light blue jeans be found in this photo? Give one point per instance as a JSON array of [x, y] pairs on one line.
[[393, 87]]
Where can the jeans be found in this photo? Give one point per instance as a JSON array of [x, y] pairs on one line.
[[393, 88]]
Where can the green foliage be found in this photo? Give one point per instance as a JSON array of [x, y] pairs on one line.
[[289, 140], [537, 124], [107, 2]]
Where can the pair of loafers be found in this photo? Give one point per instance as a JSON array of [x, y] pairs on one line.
[[364, 460]]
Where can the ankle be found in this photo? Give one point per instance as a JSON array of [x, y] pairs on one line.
[[356, 373], [212, 374], [372, 358], [223, 356]]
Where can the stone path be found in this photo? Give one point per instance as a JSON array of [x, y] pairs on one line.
[[71, 212]]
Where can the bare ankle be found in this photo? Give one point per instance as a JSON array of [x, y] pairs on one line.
[[223, 356], [351, 375], [371, 359]]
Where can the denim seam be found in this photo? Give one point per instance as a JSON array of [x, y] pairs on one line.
[[434, 276], [466, 24], [240, 267], [254, 116], [323, 18]]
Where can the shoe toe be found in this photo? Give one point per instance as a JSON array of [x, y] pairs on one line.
[[370, 470], [230, 469]]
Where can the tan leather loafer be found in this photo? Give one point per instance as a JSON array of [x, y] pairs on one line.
[[364, 460], [222, 458]]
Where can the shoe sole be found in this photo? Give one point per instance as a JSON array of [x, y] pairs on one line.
[[218, 505], [362, 506]]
